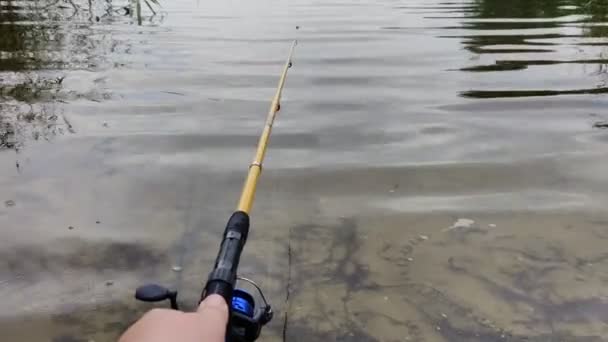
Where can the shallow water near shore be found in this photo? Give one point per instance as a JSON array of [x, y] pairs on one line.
[[437, 171]]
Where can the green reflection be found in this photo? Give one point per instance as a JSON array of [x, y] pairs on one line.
[[40, 43], [592, 12], [34, 34], [517, 9], [597, 10], [518, 31], [25, 39], [535, 9]]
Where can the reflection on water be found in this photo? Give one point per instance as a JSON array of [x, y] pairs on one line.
[[531, 33], [41, 42], [437, 172]]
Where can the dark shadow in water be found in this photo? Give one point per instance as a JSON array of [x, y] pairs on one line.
[[530, 281], [341, 254], [75, 320], [502, 65], [601, 124], [75, 254], [518, 39], [101, 322], [482, 50], [509, 25], [493, 94]]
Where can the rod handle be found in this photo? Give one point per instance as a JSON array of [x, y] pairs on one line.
[[223, 277]]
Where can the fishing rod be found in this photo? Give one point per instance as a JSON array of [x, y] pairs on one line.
[[246, 319]]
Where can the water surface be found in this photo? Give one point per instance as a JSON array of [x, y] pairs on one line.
[[437, 171]]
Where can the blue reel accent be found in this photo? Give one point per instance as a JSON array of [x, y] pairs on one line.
[[243, 302]]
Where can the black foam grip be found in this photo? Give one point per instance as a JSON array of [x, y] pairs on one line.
[[219, 287], [223, 277]]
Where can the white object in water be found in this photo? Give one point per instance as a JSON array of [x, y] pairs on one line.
[[462, 223]]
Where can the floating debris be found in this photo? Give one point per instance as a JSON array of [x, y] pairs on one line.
[[462, 223], [492, 225], [444, 316], [173, 93], [395, 187], [176, 268], [423, 237], [68, 124], [9, 203], [410, 259], [601, 124]]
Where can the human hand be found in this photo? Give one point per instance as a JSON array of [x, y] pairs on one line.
[[207, 324]]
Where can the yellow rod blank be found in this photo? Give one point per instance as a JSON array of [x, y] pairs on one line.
[[255, 169]]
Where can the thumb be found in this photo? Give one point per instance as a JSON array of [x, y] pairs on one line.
[[213, 313], [214, 303]]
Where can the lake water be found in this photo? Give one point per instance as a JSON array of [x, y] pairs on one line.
[[437, 171]]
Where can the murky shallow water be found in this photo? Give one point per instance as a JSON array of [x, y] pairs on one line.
[[434, 175]]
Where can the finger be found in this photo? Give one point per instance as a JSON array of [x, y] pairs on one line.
[[213, 313], [215, 303]]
